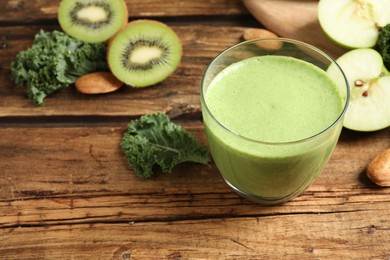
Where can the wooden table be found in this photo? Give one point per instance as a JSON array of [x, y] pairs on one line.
[[66, 191]]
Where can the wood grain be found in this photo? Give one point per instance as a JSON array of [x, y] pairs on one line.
[[304, 236], [296, 19], [66, 191], [23, 11], [80, 198], [180, 92]]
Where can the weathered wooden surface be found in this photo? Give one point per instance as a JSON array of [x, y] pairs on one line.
[[285, 18], [178, 92], [38, 10], [66, 191], [80, 188]]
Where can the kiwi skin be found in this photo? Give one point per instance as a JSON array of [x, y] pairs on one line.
[[180, 51], [125, 21]]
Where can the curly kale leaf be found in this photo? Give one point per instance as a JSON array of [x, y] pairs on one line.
[[154, 140], [54, 61], [383, 45]]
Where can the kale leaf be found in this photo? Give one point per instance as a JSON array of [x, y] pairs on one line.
[[383, 45], [154, 140], [54, 61]]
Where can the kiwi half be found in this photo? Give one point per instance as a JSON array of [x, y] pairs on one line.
[[144, 53], [92, 20]]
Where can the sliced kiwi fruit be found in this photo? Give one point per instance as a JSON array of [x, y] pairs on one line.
[[144, 53], [92, 20]]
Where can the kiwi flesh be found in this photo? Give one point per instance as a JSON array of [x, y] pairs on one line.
[[92, 20], [144, 53]]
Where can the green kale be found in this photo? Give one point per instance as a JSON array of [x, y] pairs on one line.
[[54, 61], [383, 45], [154, 140]]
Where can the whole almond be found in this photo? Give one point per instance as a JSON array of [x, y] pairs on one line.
[[255, 33], [98, 83], [378, 170]]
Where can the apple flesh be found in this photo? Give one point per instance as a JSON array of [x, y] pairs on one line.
[[369, 84], [353, 23]]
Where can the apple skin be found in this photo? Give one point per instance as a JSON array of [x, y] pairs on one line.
[[353, 23], [385, 71], [369, 84]]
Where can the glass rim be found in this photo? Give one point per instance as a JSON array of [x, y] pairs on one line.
[[295, 42]]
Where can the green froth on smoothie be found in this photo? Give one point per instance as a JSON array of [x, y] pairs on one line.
[[274, 99], [277, 100]]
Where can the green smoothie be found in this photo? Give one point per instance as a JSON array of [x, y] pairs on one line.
[[267, 109]]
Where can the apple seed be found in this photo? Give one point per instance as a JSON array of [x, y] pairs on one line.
[[359, 83]]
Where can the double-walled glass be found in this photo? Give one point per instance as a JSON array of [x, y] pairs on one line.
[[269, 173]]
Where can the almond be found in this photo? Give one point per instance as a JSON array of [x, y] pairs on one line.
[[255, 33], [98, 83], [378, 170]]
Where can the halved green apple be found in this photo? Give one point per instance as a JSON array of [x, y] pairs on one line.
[[353, 23], [369, 84]]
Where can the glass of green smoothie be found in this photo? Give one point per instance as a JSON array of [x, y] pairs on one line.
[[272, 116]]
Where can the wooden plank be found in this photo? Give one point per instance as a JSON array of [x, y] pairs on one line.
[[177, 94], [29, 10], [66, 191], [69, 175], [303, 236]]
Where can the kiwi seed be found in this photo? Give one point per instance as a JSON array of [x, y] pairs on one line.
[[144, 53], [92, 20]]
